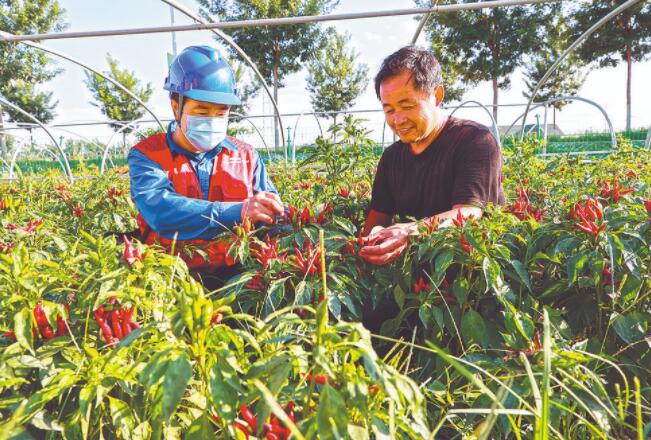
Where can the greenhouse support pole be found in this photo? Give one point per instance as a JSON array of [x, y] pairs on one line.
[[50, 135], [87, 67], [545, 128], [496, 130], [237, 24]]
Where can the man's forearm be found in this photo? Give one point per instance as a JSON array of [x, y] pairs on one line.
[[466, 211]]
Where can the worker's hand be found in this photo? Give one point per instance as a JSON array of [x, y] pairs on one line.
[[384, 245], [262, 207]]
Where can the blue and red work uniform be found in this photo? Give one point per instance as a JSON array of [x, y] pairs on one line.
[[193, 196]]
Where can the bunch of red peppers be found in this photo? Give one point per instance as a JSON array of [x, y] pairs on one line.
[[272, 430], [523, 209], [588, 213], [115, 321], [614, 192], [308, 260], [43, 325]]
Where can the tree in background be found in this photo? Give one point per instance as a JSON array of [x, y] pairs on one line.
[[334, 79], [276, 50], [569, 76], [485, 44], [248, 87], [22, 68], [625, 38], [114, 102]]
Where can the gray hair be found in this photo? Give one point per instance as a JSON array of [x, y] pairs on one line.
[[424, 68]]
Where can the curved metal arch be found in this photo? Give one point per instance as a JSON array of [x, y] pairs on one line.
[[318, 123], [242, 54], [67, 170], [255, 127], [615, 12], [541, 104], [42, 152], [423, 21], [83, 138], [613, 136], [110, 142], [496, 131], [14, 159], [87, 67]]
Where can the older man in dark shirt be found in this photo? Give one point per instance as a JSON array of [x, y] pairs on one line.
[[440, 166]]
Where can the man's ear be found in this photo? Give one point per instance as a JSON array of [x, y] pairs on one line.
[[439, 94], [175, 108]]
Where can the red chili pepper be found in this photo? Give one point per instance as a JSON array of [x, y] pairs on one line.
[[115, 325], [61, 326], [104, 327], [39, 315], [249, 417], [464, 243], [321, 379], [47, 332], [243, 428], [125, 319], [607, 277], [272, 436], [458, 221], [10, 334], [290, 411], [421, 286]]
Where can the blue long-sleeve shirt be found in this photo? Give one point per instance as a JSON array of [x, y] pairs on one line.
[[169, 213]]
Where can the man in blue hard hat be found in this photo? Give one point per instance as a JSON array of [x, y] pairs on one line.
[[194, 181]]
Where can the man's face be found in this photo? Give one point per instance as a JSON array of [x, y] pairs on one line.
[[412, 114], [199, 108]]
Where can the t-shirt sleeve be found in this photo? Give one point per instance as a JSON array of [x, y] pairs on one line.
[[381, 199], [477, 171]]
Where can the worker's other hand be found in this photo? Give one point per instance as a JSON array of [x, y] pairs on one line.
[[262, 207], [384, 245]]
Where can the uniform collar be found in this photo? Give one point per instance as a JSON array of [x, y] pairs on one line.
[[196, 156]]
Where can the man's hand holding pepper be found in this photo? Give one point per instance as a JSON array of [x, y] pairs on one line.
[[384, 245], [262, 207]]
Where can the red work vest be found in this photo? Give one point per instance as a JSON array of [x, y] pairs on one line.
[[231, 180]]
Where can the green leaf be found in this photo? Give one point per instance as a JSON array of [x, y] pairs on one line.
[[441, 264], [303, 293], [575, 265], [177, 376], [23, 329], [225, 386], [274, 297], [473, 328], [122, 416], [399, 295], [522, 272], [332, 415], [460, 289], [200, 429], [632, 326], [492, 274]]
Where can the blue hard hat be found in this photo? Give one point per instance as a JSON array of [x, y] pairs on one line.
[[201, 73]]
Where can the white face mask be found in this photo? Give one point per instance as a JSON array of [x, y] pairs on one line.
[[205, 132]]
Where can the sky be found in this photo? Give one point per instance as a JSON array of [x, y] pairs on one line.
[[373, 39]]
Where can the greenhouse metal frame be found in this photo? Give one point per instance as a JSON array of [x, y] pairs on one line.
[[217, 29]]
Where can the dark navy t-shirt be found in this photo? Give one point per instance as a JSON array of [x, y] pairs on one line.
[[462, 166]]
